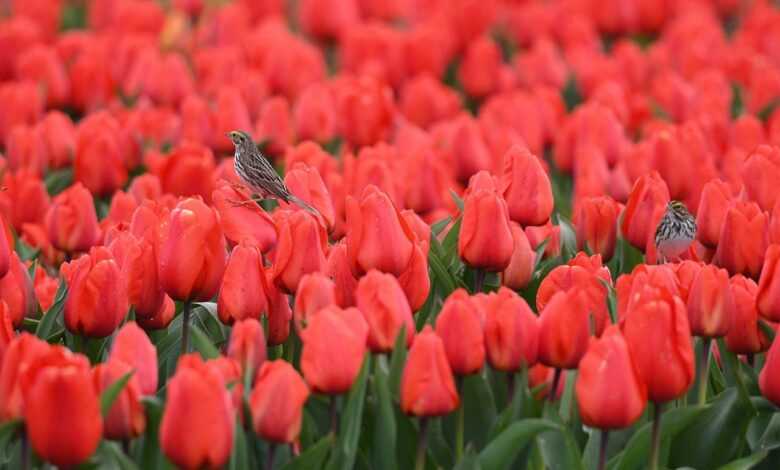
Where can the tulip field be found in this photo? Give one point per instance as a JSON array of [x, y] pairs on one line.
[[389, 234]]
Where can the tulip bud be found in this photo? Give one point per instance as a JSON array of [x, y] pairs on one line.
[[745, 336], [192, 252], [16, 290], [315, 292], [743, 239], [137, 260], [520, 270], [760, 174], [245, 221], [97, 296], [710, 303], [71, 220], [24, 186], [5, 249], [564, 327], [277, 401], [162, 318], [242, 294], [17, 357], [300, 250], [715, 200], [333, 332], [427, 384], [659, 338], [460, 328], [7, 333], [307, 184], [183, 437], [279, 313], [610, 391], [126, 419], [365, 111], [768, 296], [187, 171], [132, 346], [596, 221], [415, 281], [247, 345], [686, 272], [645, 208], [314, 114], [526, 188], [385, 309], [511, 330], [338, 269], [478, 72], [485, 236], [98, 162]]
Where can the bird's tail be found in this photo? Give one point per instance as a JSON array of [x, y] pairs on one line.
[[304, 205]]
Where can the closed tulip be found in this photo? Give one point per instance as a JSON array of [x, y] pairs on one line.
[[331, 333], [659, 337], [242, 293], [5, 249], [137, 259], [97, 296], [526, 188], [279, 313], [386, 310], [511, 330], [314, 114], [132, 346], [610, 391], [427, 384], [162, 318], [306, 183], [521, 266], [485, 235], [300, 250], [743, 239], [564, 327], [21, 351], [71, 220], [247, 345], [16, 290], [595, 219], [644, 209], [686, 272], [338, 269], [760, 173], [629, 287], [57, 388], [745, 335], [187, 171], [377, 236], [126, 418], [59, 137], [478, 71], [315, 292], [414, 280], [98, 162], [185, 438], [192, 252], [277, 401], [24, 186], [244, 221], [460, 328], [715, 200], [768, 296], [710, 303], [7, 333], [365, 110]]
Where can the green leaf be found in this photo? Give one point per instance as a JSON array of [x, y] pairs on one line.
[[766, 112], [439, 226], [770, 439], [479, 408], [110, 394], [149, 454], [458, 200], [568, 239], [397, 361], [737, 102], [383, 448], [559, 449], [571, 94], [114, 457], [239, 455], [26, 253], [346, 447], [48, 326], [746, 463], [58, 180], [501, 451], [314, 456], [202, 343], [766, 329], [8, 431], [470, 461], [637, 449]]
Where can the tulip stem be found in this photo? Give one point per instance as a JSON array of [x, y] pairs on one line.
[[656, 439], [459, 430], [269, 458], [556, 380], [479, 280], [510, 388], [185, 327], [422, 443], [704, 373], [24, 449], [751, 360], [334, 414], [603, 449]]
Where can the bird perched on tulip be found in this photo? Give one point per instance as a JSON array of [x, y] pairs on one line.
[[258, 174], [675, 232]]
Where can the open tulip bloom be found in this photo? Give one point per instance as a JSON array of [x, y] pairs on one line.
[[378, 235]]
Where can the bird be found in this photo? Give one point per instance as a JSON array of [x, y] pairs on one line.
[[257, 173], [675, 232]]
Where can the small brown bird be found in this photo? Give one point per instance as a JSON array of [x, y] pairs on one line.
[[259, 175], [675, 232]]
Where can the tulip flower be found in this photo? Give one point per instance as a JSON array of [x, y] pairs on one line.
[[745, 335], [338, 269], [242, 293], [710, 303], [526, 188], [132, 346], [21, 351], [126, 418], [315, 292], [279, 314], [247, 345], [244, 221], [760, 173], [511, 330], [333, 332], [478, 72], [16, 290], [595, 219], [161, 319], [306, 183], [25, 186], [644, 209], [768, 296], [715, 200], [564, 327], [98, 162], [415, 281], [187, 171], [137, 260], [386, 310], [686, 272], [277, 401], [485, 240], [71, 220], [57, 385], [7, 333], [314, 114], [520, 270], [184, 437], [460, 328], [300, 250], [5, 249], [97, 295], [743, 239], [427, 384], [365, 110]]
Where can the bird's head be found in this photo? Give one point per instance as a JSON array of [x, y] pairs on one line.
[[240, 138], [678, 207]]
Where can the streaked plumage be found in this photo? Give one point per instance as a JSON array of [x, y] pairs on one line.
[[675, 232], [258, 174]]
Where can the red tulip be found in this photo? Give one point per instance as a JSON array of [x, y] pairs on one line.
[[743, 239], [24, 150], [242, 294], [511, 330], [126, 419], [187, 171], [365, 110], [7, 333], [760, 172], [768, 296], [478, 71], [686, 272], [715, 200], [162, 318], [425, 100], [326, 19], [277, 401], [274, 125], [427, 384], [314, 114], [333, 332], [192, 252], [644, 209], [338, 269], [247, 345], [306, 183], [202, 436], [279, 313], [485, 236], [16, 290], [710, 303], [300, 250], [59, 138], [21, 351], [595, 219], [132, 346], [520, 270], [71, 220], [245, 221], [315, 292], [146, 186], [564, 327], [385, 309], [659, 338], [98, 162], [460, 328], [610, 391], [25, 186], [137, 259], [526, 188], [745, 335]]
